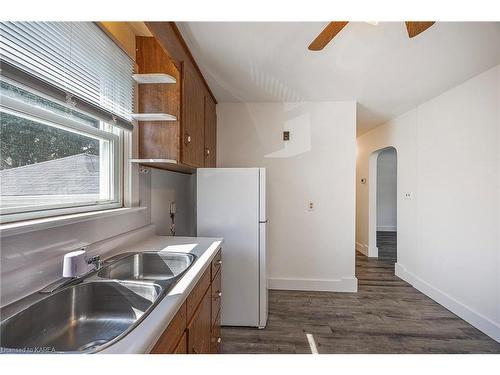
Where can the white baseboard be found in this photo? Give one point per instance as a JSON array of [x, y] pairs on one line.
[[386, 228], [373, 251], [362, 248], [474, 318], [317, 285]]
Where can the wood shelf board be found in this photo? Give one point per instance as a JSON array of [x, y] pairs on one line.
[[152, 78], [165, 164], [153, 117]]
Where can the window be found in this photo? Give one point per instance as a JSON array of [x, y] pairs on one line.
[[61, 142]]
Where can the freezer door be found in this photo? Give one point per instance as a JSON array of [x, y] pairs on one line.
[[228, 206]]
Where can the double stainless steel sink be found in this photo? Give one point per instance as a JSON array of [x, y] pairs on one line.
[[97, 310]]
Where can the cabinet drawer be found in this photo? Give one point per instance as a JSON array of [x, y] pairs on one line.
[[216, 296], [216, 264], [197, 294], [216, 339], [170, 337]]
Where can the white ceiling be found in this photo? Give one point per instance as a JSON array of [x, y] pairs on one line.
[[378, 66]]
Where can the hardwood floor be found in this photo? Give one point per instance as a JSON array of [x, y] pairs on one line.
[[386, 243], [387, 315]]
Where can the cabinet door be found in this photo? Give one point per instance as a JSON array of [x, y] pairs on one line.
[[169, 339], [193, 128], [216, 296], [199, 330], [210, 132], [181, 347], [216, 339]]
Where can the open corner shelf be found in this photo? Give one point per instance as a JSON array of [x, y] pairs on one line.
[[152, 78], [153, 117], [165, 164]]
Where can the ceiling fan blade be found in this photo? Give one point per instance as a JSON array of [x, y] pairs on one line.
[[328, 33], [415, 28]]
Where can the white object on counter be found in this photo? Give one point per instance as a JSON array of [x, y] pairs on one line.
[[75, 264]]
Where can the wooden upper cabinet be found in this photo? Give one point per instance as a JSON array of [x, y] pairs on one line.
[[210, 133], [193, 103], [189, 142], [158, 139]]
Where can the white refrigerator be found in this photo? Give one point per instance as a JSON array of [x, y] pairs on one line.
[[231, 203]]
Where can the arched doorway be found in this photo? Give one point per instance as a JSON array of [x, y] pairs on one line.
[[382, 210]]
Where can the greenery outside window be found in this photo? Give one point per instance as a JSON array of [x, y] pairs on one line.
[[66, 98], [53, 158]]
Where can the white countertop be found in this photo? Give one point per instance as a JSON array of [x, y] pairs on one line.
[[143, 337]]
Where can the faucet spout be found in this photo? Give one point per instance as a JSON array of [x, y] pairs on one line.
[[59, 284]]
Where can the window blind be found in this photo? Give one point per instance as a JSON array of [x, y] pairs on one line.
[[75, 57]]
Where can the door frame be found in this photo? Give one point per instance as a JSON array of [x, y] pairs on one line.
[[372, 199]]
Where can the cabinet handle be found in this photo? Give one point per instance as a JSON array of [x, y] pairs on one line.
[[187, 138], [219, 340], [219, 262], [207, 152], [194, 351], [218, 294]]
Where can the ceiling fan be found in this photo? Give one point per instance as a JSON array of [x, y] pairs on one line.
[[333, 28]]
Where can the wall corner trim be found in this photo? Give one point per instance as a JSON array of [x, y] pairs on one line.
[[471, 316], [362, 248], [373, 251], [345, 284]]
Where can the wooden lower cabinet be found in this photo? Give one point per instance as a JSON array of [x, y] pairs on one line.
[[168, 341], [195, 329], [181, 347], [216, 288], [216, 339], [199, 329]]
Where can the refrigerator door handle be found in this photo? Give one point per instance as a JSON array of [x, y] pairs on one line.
[[264, 222]]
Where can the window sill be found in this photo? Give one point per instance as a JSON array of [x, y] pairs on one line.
[[12, 229]]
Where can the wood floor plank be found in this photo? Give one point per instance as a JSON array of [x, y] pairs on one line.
[[386, 315]]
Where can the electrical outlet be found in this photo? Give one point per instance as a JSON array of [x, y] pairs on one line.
[[310, 206], [407, 196]]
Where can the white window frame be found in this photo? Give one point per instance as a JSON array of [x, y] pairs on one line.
[[115, 139]]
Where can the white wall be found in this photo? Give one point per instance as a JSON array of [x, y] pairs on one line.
[[448, 233], [307, 250], [167, 187], [386, 190]]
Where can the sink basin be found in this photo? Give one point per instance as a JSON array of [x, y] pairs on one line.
[[103, 307], [152, 266], [79, 318]]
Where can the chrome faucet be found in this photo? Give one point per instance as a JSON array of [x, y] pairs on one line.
[[95, 261], [75, 267]]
